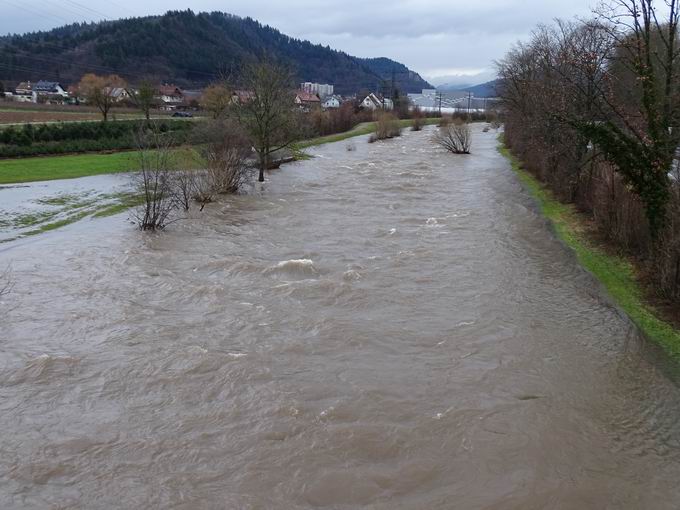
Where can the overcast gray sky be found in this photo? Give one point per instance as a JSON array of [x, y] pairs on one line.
[[443, 40]]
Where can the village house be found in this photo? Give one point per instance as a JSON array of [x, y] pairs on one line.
[[23, 93], [241, 96], [307, 100], [42, 91], [118, 94], [373, 102], [331, 102], [170, 96]]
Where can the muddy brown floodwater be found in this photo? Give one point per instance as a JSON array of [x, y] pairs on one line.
[[390, 327]]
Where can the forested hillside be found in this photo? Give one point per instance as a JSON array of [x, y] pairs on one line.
[[189, 49]]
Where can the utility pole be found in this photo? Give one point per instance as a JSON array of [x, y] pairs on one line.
[[438, 98], [469, 104], [394, 89]]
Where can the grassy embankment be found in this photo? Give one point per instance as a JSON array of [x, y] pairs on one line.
[[365, 128], [617, 274]]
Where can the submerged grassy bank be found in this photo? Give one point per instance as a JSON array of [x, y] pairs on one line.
[[617, 274], [365, 128]]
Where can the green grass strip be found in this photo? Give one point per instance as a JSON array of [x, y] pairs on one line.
[[14, 171], [365, 128], [65, 167], [616, 273]]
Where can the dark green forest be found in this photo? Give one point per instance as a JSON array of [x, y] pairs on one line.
[[189, 49]]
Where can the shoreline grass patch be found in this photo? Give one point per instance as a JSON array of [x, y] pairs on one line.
[[617, 274]]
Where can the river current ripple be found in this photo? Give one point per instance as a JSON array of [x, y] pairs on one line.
[[389, 327]]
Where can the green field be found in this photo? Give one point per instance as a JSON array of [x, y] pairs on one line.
[[48, 168], [617, 274], [65, 167]]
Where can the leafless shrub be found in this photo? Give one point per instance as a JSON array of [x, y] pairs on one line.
[[226, 154], [203, 192], [386, 126], [184, 186], [154, 180], [445, 120], [418, 119], [455, 138]]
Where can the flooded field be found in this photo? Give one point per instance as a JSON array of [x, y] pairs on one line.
[[36, 207], [390, 327]]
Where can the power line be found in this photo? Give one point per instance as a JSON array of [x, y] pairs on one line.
[[35, 12], [85, 7], [68, 10]]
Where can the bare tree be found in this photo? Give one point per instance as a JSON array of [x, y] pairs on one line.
[[99, 91], [455, 137], [629, 82], [144, 97], [154, 179], [268, 115], [216, 99]]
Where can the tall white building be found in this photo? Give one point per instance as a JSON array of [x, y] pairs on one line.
[[321, 89]]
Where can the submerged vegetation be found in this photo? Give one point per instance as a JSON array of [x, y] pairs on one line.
[[387, 126], [454, 136]]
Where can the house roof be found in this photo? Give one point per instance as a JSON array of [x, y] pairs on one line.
[[117, 92], [47, 86], [372, 98], [243, 95], [170, 90], [24, 85], [192, 94], [306, 97]]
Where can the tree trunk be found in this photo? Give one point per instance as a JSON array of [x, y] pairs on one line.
[[263, 164]]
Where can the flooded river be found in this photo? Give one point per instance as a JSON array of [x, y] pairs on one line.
[[391, 327]]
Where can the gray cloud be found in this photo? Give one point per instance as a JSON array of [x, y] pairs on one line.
[[434, 37]]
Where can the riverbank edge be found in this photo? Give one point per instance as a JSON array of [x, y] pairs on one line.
[[617, 274]]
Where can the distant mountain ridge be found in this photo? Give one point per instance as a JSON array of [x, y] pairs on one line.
[[483, 90], [188, 49]]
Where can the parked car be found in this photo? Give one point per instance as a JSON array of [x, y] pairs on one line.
[[183, 114]]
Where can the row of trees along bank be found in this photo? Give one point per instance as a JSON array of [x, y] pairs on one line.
[[593, 110]]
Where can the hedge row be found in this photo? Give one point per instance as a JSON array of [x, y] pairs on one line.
[[67, 131], [46, 139]]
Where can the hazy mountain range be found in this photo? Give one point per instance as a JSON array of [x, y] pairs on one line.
[[488, 89]]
